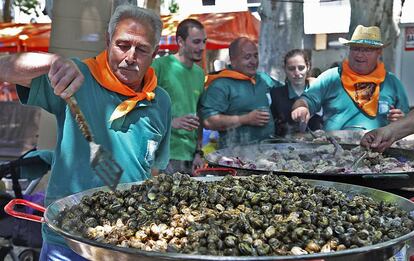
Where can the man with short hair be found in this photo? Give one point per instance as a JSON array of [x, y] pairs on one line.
[[183, 79], [359, 94], [118, 95], [236, 102]]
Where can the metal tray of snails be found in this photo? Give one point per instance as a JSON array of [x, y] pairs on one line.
[[265, 217], [392, 169]]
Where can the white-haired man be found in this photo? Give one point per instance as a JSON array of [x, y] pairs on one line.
[[118, 94]]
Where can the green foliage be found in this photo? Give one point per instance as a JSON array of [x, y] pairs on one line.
[[174, 7], [27, 6]]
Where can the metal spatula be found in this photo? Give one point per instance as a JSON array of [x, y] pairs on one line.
[[358, 160], [338, 148], [101, 160]]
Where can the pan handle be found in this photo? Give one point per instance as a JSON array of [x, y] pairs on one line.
[[198, 172], [9, 209], [386, 176]]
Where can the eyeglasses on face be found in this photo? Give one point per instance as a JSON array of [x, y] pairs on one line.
[[362, 49], [299, 67]]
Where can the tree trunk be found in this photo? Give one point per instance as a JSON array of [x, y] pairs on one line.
[[281, 30], [378, 13], [125, 2], [7, 6], [153, 5], [115, 3], [49, 8]]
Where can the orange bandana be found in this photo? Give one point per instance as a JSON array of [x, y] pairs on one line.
[[229, 74], [103, 75], [364, 89]]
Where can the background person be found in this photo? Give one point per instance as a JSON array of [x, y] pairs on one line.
[[360, 93], [236, 101], [297, 66], [183, 79], [118, 95]]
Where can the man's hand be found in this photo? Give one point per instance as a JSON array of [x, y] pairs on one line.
[[301, 114], [187, 122], [65, 77], [256, 118], [379, 139], [198, 162], [395, 114]]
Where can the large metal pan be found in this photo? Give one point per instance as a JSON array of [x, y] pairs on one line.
[[343, 137], [348, 136], [94, 250], [374, 180], [354, 137]]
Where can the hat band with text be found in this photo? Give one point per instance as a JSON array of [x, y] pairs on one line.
[[366, 42]]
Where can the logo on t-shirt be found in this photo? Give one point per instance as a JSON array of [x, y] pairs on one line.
[[364, 91]]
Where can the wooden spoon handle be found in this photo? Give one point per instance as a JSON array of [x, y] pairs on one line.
[[79, 118]]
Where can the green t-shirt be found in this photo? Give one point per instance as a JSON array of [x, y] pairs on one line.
[[138, 141], [185, 86], [237, 97], [340, 111]]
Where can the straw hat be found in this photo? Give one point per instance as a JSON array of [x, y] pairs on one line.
[[365, 36]]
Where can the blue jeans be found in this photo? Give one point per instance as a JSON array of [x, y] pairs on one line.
[[52, 252]]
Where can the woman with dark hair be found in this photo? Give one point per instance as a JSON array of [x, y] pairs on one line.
[[297, 66]]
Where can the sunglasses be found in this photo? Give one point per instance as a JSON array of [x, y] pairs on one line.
[[299, 67]]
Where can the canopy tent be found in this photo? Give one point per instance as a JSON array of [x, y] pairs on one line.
[[221, 29], [24, 37]]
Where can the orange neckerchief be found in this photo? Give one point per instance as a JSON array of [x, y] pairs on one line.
[[103, 75], [364, 89], [228, 74]]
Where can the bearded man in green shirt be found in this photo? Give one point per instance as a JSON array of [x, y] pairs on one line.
[[183, 79]]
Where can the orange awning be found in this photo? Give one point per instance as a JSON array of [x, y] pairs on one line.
[[38, 42], [221, 29], [24, 37]]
